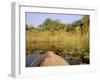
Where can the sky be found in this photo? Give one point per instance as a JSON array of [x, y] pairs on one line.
[[36, 19]]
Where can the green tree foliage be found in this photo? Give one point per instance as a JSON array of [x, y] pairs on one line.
[[85, 22], [29, 27], [50, 24]]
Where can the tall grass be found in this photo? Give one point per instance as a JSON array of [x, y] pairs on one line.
[[58, 40]]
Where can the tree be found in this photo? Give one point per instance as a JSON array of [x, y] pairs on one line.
[[50, 24], [29, 27], [85, 22]]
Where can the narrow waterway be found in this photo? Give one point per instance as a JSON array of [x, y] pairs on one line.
[[33, 56]]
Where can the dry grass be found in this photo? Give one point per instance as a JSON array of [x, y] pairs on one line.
[[59, 40]]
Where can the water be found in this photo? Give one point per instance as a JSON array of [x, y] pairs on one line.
[[30, 58], [71, 60]]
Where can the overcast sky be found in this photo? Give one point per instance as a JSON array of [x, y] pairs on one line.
[[38, 18]]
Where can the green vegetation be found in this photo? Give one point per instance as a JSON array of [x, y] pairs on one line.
[[54, 35]]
